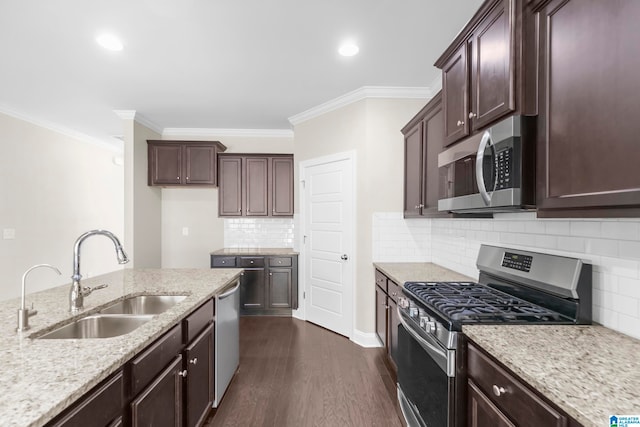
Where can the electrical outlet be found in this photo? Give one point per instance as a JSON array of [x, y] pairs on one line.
[[8, 233], [185, 231]]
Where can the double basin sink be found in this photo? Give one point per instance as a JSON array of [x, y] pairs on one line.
[[116, 319]]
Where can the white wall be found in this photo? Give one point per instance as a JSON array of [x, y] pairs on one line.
[[142, 208], [611, 245], [370, 127], [197, 209], [52, 189]]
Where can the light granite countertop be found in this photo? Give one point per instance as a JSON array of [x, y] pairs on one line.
[[255, 251], [401, 272], [43, 377], [591, 372]]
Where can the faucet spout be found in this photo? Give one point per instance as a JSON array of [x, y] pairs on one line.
[[77, 294], [23, 312]]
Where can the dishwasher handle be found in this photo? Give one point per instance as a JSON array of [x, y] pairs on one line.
[[229, 292]]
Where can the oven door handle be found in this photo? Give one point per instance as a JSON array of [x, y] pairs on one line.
[[484, 143], [443, 357]]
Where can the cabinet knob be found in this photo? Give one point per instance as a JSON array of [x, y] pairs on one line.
[[498, 391], [251, 261], [224, 262], [183, 374], [472, 115], [460, 123], [242, 274], [270, 274], [187, 178], [177, 177], [194, 361]]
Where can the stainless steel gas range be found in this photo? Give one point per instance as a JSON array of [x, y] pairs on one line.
[[514, 287]]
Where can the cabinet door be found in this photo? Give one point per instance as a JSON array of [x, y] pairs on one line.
[[413, 171], [230, 189], [482, 412], [279, 287], [588, 139], [455, 80], [433, 141], [165, 164], [199, 381], [200, 164], [282, 186], [160, 404], [99, 407], [252, 289], [256, 186], [381, 315], [493, 66]]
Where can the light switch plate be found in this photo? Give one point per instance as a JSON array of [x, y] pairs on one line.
[[8, 233], [185, 231]]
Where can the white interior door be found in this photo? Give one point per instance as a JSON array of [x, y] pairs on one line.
[[327, 213]]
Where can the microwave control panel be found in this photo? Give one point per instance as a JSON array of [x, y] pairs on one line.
[[504, 169]]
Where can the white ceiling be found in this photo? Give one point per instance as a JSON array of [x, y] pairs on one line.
[[234, 64]]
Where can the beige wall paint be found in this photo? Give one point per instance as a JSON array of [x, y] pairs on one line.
[[371, 127], [142, 203], [197, 208], [52, 189]]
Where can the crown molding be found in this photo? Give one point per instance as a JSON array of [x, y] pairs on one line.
[[213, 132], [114, 145], [139, 118], [360, 94]]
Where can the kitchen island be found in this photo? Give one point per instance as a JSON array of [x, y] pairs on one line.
[[45, 376]]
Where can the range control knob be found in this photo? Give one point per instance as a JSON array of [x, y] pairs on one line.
[[430, 327], [413, 311]]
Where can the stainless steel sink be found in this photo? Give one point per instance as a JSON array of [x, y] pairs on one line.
[[98, 326], [144, 304]]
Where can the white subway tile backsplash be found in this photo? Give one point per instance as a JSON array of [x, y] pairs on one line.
[[612, 246], [259, 233]]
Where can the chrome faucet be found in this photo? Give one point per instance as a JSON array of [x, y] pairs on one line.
[[23, 312], [77, 294]]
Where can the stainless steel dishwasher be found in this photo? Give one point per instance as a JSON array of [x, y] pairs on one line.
[[227, 340]]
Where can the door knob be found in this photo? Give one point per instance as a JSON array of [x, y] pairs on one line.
[[344, 257]]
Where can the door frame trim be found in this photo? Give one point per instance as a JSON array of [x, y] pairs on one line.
[[300, 313]]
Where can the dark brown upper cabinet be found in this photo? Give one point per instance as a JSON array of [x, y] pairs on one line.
[[255, 185], [173, 163], [588, 150], [423, 140], [488, 71]]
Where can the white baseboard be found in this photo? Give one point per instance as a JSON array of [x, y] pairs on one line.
[[364, 339]]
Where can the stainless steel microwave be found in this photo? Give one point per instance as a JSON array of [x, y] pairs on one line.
[[492, 171]]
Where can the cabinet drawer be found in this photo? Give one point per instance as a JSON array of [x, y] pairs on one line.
[[393, 290], [280, 262], [223, 261], [509, 394], [250, 261], [152, 360], [100, 407], [198, 320], [381, 280]]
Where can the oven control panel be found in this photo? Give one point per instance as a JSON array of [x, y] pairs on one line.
[[517, 261]]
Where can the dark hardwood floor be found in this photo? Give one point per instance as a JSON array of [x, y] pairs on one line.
[[294, 373]]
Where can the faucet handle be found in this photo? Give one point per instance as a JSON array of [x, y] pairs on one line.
[[87, 290]]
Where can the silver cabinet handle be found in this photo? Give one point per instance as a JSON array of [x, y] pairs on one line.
[[460, 123], [498, 391], [183, 374], [472, 115], [194, 361]]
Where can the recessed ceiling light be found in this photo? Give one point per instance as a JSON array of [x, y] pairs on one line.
[[109, 42], [348, 49]]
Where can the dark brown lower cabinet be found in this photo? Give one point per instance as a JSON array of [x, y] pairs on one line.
[[387, 292], [199, 379], [279, 287], [496, 397], [268, 285], [160, 404], [100, 407]]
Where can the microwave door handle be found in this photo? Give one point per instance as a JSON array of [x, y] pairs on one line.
[[484, 142]]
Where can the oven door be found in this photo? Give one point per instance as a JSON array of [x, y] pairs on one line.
[[426, 383]]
